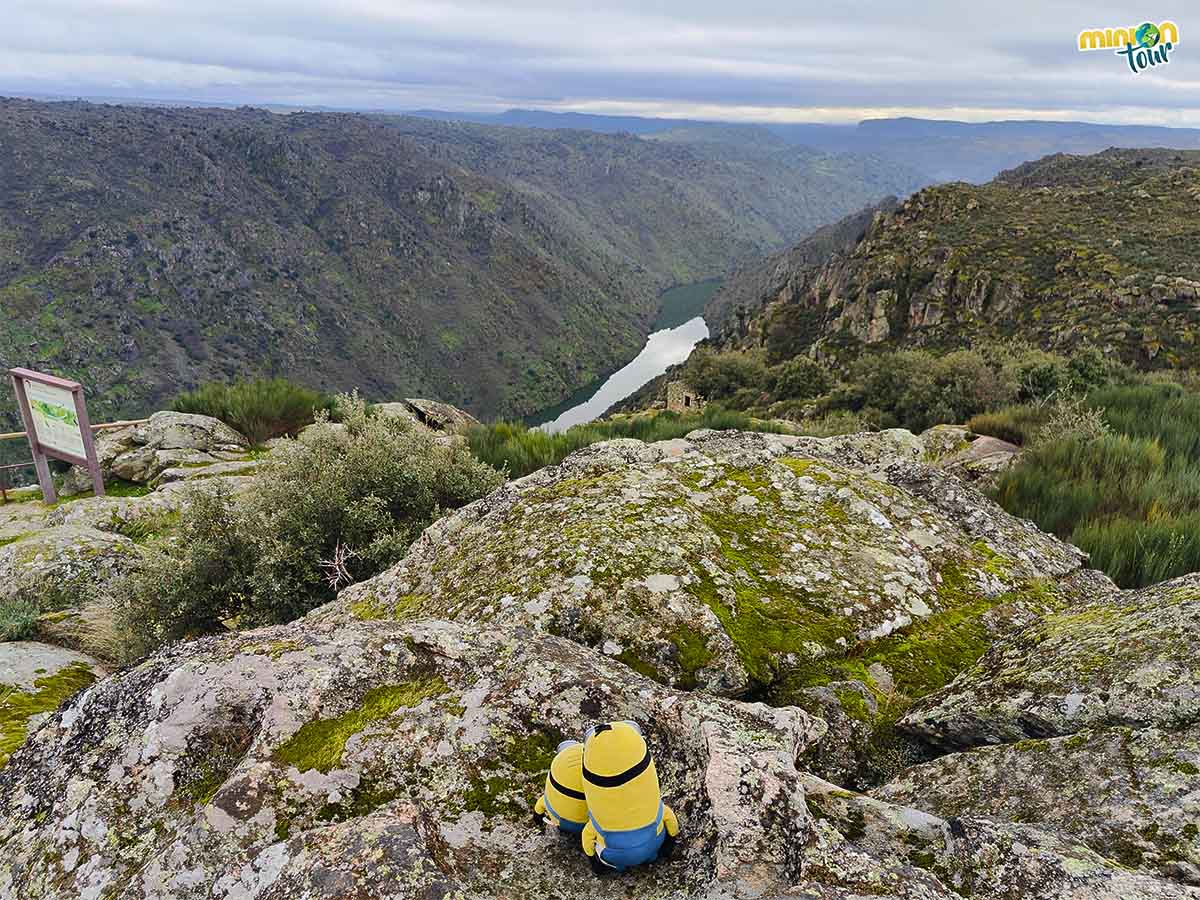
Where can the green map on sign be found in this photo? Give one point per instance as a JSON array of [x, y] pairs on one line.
[[56, 412]]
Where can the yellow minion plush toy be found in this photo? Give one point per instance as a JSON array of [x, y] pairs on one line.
[[562, 802], [628, 823]]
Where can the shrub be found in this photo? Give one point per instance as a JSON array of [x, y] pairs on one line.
[[718, 376], [259, 409], [1088, 368], [1136, 553], [801, 378], [1166, 412], [18, 619], [1061, 483], [1070, 418], [915, 389], [840, 422], [338, 506], [1015, 424], [516, 449], [1130, 498], [1035, 374]]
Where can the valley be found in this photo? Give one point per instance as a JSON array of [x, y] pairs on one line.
[[906, 609], [679, 327], [146, 251]]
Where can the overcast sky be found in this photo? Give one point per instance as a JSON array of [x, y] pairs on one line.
[[748, 60]]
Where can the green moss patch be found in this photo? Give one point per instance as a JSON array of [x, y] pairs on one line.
[[147, 529], [693, 654], [641, 666], [504, 787], [369, 608], [48, 694], [766, 621], [809, 468], [116, 488], [319, 745]]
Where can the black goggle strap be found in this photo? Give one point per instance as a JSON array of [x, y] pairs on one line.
[[565, 791], [620, 778]]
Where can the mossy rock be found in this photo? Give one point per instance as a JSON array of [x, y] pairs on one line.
[[733, 562], [1124, 792], [35, 680], [1127, 658]]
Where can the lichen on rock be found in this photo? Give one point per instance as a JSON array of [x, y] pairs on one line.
[[1126, 658], [725, 561]]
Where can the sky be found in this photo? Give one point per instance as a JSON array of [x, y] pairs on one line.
[[735, 60]]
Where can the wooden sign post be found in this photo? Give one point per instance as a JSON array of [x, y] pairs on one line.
[[56, 423]]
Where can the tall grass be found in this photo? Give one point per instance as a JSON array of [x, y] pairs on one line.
[[1131, 499], [519, 450], [260, 409], [1015, 424]]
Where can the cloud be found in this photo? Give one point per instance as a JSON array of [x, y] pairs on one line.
[[746, 61]]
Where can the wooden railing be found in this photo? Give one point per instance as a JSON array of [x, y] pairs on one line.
[[20, 435], [104, 426]]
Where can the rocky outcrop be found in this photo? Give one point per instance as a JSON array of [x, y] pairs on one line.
[[724, 560], [960, 265], [428, 415], [1127, 658], [169, 442], [441, 416], [390, 743]]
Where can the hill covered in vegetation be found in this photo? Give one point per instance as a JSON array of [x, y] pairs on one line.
[[1060, 252], [148, 250]]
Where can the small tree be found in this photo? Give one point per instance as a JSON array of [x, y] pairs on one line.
[[801, 378], [357, 494]]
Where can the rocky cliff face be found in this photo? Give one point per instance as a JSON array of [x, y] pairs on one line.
[[1059, 252], [880, 611]]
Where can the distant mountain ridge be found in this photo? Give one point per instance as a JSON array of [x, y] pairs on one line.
[[143, 250], [940, 150]]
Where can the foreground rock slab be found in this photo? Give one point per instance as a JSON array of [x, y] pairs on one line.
[[259, 764], [1132, 795], [1129, 658]]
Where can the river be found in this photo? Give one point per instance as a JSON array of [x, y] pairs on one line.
[[679, 327]]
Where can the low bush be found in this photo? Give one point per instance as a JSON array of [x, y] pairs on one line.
[[18, 619], [801, 378], [1136, 553], [338, 506], [1118, 476], [260, 409], [1072, 418], [915, 389], [1015, 424], [719, 376], [516, 449]]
